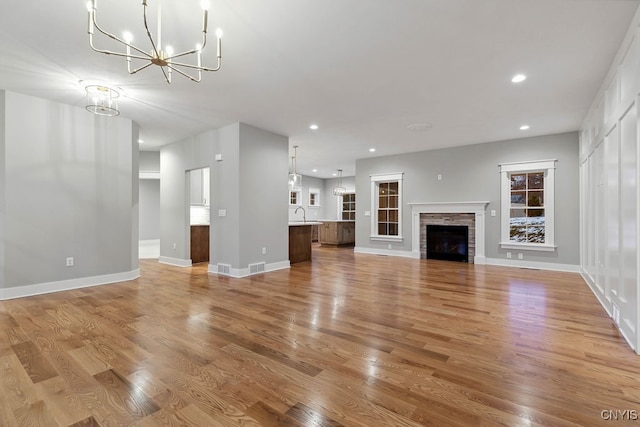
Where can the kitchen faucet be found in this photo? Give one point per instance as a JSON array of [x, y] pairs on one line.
[[304, 213]]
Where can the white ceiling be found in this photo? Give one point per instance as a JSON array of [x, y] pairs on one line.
[[363, 70]]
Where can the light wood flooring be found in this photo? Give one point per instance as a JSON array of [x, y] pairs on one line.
[[347, 339]]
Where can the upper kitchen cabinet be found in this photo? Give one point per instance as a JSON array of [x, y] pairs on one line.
[[199, 186]]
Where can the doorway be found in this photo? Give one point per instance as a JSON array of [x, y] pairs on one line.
[[199, 214]]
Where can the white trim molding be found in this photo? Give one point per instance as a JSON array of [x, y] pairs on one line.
[[506, 169], [177, 262], [477, 208], [67, 285], [388, 252], [239, 273], [376, 179]]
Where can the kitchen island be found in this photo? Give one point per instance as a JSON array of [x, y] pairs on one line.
[[337, 233], [300, 240]]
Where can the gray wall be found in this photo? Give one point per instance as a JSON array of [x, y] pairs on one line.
[[175, 160], [149, 209], [471, 173], [249, 184], [70, 184], [263, 198], [149, 161]]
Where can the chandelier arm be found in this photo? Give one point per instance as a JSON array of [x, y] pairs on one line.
[[108, 52], [116, 38], [195, 67], [146, 27], [141, 68], [177, 70], [167, 77]]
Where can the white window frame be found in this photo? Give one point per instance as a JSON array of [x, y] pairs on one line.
[[375, 182], [506, 169], [317, 193], [298, 197]]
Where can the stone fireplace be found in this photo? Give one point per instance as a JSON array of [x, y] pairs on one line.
[[470, 214]]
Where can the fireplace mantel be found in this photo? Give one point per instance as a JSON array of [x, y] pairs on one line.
[[477, 208]]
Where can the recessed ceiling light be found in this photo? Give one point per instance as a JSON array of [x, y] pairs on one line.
[[313, 127], [371, 150], [314, 170], [518, 78], [335, 174], [524, 127], [140, 141]]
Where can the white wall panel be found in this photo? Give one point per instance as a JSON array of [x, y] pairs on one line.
[[628, 219]]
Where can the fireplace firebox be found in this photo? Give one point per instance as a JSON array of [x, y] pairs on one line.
[[448, 242]]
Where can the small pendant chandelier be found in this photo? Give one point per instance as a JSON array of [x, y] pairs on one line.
[[295, 179], [102, 100], [339, 190]]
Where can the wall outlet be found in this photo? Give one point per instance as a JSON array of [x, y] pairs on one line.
[[264, 251], [439, 177], [389, 246], [509, 255], [493, 212], [520, 256], [70, 261], [175, 246]]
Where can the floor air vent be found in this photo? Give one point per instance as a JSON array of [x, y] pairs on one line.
[[224, 269], [256, 268]]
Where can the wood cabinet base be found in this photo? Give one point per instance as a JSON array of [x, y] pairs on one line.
[[299, 243]]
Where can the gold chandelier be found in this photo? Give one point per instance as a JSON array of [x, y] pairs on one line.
[[161, 56]]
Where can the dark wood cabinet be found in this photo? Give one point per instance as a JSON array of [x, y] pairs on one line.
[[199, 243], [299, 243]]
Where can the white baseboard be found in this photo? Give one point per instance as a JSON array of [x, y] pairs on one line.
[[607, 307], [67, 285], [239, 273], [178, 262], [519, 263], [389, 252]]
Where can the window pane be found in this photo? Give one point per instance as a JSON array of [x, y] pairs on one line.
[[393, 201], [535, 234], [518, 198], [383, 202], [518, 181], [517, 233], [382, 228], [393, 229], [536, 198], [382, 215], [518, 215], [536, 180], [393, 215], [393, 187], [383, 188]]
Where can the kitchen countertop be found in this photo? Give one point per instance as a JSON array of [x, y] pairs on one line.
[[297, 223]]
